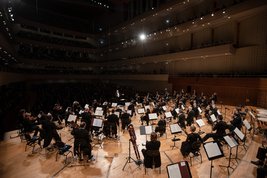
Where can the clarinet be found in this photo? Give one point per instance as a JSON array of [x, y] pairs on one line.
[[133, 140]]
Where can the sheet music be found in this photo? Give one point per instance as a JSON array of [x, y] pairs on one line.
[[148, 129], [99, 108], [86, 106], [199, 110], [127, 104], [240, 135], [129, 112], [117, 113], [152, 116], [99, 113], [177, 110], [230, 141], [147, 107], [213, 118], [164, 108], [141, 111], [174, 171], [252, 115], [72, 117], [97, 122], [175, 128], [183, 107], [212, 149], [247, 124], [218, 111], [113, 105], [200, 122], [168, 114]]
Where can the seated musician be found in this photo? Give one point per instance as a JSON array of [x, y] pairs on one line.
[[151, 153], [113, 122], [82, 145], [237, 120], [49, 131], [29, 124], [181, 119], [87, 118], [261, 162], [190, 116], [161, 128], [220, 128], [146, 117], [187, 145]]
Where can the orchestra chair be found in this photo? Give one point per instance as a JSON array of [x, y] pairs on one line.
[[64, 151], [32, 142], [152, 160], [195, 153]]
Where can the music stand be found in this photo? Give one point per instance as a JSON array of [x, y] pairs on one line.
[[175, 128], [213, 151], [231, 143], [241, 136], [200, 124], [168, 115], [146, 130], [72, 117], [179, 170], [98, 123], [141, 111]]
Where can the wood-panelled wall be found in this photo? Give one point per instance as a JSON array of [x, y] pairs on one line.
[[247, 91]]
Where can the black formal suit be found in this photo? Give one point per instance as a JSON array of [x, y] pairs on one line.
[[151, 154]]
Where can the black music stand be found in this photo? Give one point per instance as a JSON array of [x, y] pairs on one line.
[[146, 130], [180, 169], [231, 143], [213, 151], [175, 128], [129, 158], [241, 137]]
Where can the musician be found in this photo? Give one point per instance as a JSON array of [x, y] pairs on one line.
[[29, 125], [49, 130], [186, 147], [219, 128], [181, 119], [152, 150], [237, 120], [146, 117], [87, 118], [190, 116], [113, 122], [161, 127], [82, 142], [57, 113], [261, 162], [125, 120]]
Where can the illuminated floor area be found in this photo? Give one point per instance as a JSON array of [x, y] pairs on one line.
[[112, 155]]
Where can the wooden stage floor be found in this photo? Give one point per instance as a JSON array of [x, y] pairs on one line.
[[15, 162]]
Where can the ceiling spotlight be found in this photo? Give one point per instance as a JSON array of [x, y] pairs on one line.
[[142, 37]]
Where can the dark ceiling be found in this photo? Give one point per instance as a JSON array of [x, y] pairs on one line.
[[76, 13]]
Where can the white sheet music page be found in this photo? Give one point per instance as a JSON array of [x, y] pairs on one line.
[[152, 116], [148, 130], [230, 141], [212, 149], [252, 115], [200, 122], [175, 128], [177, 110], [99, 112], [141, 111], [199, 110], [213, 118], [174, 171], [97, 123], [239, 133], [247, 124], [72, 117], [168, 114]]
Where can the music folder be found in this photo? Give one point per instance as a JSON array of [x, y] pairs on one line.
[[175, 128], [213, 151], [146, 130], [72, 117], [152, 116], [179, 170], [97, 122]]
